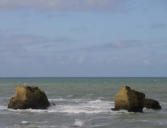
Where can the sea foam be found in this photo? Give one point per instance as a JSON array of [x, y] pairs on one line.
[[78, 123], [73, 106], [89, 107]]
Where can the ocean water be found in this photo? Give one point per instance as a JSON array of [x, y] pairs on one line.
[[83, 103]]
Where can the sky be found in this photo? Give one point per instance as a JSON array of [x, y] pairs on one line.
[[89, 38]]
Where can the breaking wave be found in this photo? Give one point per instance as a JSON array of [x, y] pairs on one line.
[[82, 106], [74, 106]]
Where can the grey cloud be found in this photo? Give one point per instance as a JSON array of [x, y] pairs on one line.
[[58, 4], [16, 43], [158, 26], [28, 45], [81, 29], [120, 44], [124, 44]]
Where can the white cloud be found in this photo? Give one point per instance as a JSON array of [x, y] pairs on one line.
[[58, 4]]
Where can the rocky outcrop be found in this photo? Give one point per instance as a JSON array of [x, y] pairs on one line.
[[129, 99], [28, 97], [152, 104]]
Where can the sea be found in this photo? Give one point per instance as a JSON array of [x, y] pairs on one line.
[[84, 103]]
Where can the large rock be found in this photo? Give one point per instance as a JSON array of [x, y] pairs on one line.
[[152, 104], [28, 97], [129, 99]]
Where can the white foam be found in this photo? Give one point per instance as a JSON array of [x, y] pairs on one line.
[[89, 107], [67, 100], [25, 122], [75, 106], [78, 123], [3, 108], [57, 99], [163, 103]]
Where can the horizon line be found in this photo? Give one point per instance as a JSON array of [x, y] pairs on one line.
[[85, 77]]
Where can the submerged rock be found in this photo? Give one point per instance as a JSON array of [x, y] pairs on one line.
[[28, 97], [129, 99], [152, 104]]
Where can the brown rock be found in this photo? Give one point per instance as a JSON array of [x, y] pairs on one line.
[[129, 99], [28, 97], [152, 104]]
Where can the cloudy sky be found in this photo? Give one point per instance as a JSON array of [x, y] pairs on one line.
[[83, 38]]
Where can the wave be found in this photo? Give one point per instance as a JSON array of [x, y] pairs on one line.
[[73, 106], [66, 100], [89, 107]]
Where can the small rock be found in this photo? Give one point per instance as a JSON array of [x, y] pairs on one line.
[[152, 104], [129, 99], [28, 97]]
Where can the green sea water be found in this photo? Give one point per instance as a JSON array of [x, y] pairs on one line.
[[83, 103]]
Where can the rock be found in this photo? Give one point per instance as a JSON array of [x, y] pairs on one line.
[[152, 104], [28, 97], [129, 99]]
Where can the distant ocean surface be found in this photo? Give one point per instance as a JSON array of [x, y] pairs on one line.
[[83, 103]]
